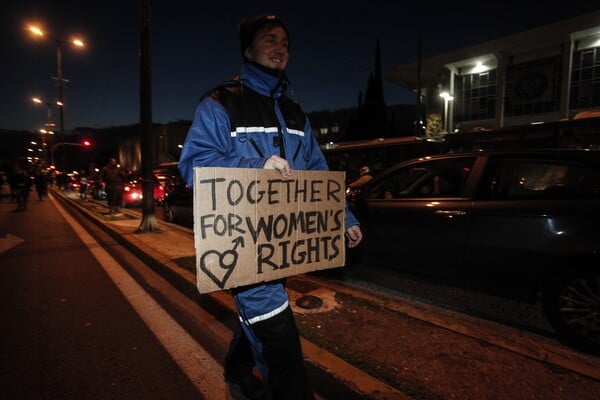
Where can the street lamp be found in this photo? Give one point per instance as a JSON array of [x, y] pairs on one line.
[[49, 123], [49, 129], [447, 98], [37, 31]]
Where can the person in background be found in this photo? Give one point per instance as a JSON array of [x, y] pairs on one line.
[[364, 178], [5, 191], [20, 183], [249, 122], [113, 177], [41, 184], [83, 184]]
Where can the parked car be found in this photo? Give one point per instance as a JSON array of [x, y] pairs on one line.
[[133, 193], [178, 206], [167, 174], [178, 201], [524, 221]]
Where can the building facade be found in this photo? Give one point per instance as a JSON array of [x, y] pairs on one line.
[[547, 74]]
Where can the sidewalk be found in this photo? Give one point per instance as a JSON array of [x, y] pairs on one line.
[[387, 349]]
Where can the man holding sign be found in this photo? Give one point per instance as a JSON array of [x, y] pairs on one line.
[[249, 122]]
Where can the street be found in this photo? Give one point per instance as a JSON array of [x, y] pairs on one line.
[[76, 326], [85, 318]]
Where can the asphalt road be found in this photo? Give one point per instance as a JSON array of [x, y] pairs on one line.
[[73, 322]]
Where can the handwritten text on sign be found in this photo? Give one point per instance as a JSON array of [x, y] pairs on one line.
[[253, 225]]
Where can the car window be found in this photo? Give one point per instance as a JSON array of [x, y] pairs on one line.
[[542, 178], [437, 178]]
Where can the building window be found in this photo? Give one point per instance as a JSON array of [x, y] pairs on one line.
[[585, 79], [476, 96], [533, 87]]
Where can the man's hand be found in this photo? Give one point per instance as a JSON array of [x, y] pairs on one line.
[[280, 164], [354, 235]]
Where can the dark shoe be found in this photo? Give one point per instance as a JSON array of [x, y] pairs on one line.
[[250, 385]]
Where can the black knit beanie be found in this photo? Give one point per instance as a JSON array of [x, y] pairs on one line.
[[249, 26]]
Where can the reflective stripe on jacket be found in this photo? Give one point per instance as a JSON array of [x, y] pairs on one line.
[[240, 125]]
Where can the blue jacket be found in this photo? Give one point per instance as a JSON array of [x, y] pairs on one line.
[[218, 139]]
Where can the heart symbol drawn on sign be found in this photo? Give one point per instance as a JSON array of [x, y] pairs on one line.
[[213, 263]]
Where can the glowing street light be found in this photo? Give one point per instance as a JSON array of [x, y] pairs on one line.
[[38, 100], [447, 98], [49, 129], [37, 31]]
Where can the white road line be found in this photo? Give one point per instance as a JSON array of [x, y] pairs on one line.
[[202, 369]]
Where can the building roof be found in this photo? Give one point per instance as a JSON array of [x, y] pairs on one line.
[[586, 25]]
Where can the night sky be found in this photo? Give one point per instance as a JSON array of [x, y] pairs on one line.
[[195, 46]]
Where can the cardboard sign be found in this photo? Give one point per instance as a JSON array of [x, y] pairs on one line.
[[253, 225]]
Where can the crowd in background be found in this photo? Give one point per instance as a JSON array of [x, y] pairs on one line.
[[17, 186]]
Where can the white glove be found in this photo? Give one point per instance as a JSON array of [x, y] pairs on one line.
[[280, 164]]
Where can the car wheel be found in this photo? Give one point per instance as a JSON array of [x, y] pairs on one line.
[[572, 306], [168, 215]]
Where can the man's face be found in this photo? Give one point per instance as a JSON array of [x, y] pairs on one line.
[[269, 48]]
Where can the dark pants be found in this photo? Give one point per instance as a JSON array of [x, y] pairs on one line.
[[239, 361], [114, 198], [41, 191], [22, 195], [282, 353]]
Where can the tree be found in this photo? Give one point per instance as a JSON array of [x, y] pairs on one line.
[[371, 116]]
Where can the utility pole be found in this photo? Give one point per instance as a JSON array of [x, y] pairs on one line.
[[59, 74], [59, 83], [149, 222], [419, 125]]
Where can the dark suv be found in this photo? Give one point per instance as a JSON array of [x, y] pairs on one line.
[[526, 221]]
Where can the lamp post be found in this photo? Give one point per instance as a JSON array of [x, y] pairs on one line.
[[49, 129], [447, 98], [59, 76], [49, 123]]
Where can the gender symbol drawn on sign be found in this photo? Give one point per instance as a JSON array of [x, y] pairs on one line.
[[227, 261]]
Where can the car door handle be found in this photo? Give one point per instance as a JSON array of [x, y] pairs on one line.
[[450, 213]]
